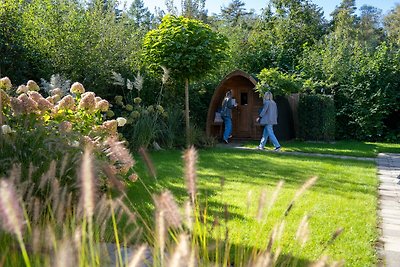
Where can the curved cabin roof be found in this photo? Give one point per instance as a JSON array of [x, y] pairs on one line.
[[219, 93]]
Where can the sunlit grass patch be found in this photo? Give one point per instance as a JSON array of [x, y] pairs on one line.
[[345, 148], [231, 182]]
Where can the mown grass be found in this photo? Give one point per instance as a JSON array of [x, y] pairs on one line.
[[344, 196], [345, 148]]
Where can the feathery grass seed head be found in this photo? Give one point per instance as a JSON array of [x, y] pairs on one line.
[[190, 160], [10, 210], [166, 203]]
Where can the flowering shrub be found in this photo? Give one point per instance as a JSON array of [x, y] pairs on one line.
[[53, 126]]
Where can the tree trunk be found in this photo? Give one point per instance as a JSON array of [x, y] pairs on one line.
[[187, 112]]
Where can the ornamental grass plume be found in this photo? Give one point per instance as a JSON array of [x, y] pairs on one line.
[[189, 216], [138, 83], [310, 182], [10, 211], [119, 155], [190, 159], [166, 75], [166, 203], [111, 172], [275, 194], [138, 257], [261, 205], [65, 255], [161, 234], [11, 215], [303, 231], [87, 181], [149, 163], [181, 255]]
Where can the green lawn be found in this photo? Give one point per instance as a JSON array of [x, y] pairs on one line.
[[346, 148], [345, 195]]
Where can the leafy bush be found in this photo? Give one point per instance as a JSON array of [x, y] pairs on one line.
[[316, 117], [278, 82]]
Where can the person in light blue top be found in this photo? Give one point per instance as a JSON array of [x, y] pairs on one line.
[[268, 117], [226, 113]]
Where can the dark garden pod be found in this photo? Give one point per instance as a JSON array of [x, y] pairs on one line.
[[249, 103]]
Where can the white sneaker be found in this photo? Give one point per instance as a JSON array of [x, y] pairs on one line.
[[277, 148]]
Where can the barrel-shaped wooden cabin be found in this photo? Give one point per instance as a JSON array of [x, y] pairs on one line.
[[244, 115]]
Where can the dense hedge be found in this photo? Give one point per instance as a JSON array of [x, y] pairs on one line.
[[316, 117]]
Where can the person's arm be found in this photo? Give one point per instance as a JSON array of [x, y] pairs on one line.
[[230, 104], [264, 110]]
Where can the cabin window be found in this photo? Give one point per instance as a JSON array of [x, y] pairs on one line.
[[243, 99]]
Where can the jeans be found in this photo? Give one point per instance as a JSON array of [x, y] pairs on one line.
[[269, 132], [228, 127]]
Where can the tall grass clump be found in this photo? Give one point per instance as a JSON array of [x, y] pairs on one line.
[[67, 228]]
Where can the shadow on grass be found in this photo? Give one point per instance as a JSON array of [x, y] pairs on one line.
[[257, 169]]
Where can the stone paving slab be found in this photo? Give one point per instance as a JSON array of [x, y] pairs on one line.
[[389, 208], [391, 232], [393, 259], [387, 199]]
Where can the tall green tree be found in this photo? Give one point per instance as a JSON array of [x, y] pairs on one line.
[[370, 26], [193, 9], [362, 80], [83, 43], [392, 25], [141, 16], [281, 33], [187, 47], [14, 60], [234, 12]]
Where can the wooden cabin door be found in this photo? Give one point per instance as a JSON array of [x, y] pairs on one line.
[[241, 117]]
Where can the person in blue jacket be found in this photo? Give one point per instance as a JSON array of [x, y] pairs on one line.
[[226, 113], [268, 117]]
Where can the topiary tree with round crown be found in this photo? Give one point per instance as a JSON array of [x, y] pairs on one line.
[[187, 47]]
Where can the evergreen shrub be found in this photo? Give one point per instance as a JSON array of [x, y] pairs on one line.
[[316, 117]]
